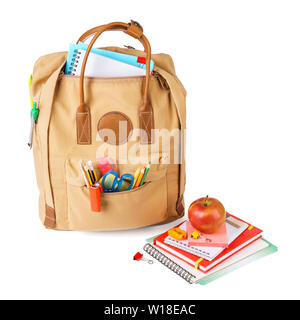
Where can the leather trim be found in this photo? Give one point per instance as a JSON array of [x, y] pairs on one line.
[[83, 127], [50, 218], [180, 206], [111, 120], [146, 126]]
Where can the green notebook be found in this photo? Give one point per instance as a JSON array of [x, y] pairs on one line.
[[258, 249]]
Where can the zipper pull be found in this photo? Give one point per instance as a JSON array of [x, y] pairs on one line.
[[61, 74], [163, 83], [34, 113], [129, 47]]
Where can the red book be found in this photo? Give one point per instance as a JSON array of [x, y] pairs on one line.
[[247, 237]]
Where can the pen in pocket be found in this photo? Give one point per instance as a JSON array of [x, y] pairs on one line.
[[140, 177], [88, 174], [93, 172], [145, 174]]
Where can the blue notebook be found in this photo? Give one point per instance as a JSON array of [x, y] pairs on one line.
[[126, 58]]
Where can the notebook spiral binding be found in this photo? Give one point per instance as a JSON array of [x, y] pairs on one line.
[[187, 276], [74, 63]]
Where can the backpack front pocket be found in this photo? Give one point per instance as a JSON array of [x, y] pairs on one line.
[[145, 205]]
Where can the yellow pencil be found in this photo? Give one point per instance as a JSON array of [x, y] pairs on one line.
[[88, 174], [136, 175], [90, 163], [139, 179]]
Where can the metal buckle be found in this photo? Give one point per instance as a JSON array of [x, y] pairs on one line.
[[136, 23]]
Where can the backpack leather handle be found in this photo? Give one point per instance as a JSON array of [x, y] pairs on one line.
[[83, 117], [113, 26]]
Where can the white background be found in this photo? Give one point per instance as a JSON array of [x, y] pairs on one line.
[[239, 61]]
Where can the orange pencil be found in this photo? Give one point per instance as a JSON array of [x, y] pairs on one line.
[[136, 175], [139, 179]]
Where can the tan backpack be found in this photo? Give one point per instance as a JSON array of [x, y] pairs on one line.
[[72, 112]]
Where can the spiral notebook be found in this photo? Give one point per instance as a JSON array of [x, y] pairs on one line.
[[136, 61], [254, 251], [103, 67]]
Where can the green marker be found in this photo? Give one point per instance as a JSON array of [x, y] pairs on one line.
[[34, 112], [145, 174]]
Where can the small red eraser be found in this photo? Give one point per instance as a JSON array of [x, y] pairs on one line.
[[137, 256], [141, 60]]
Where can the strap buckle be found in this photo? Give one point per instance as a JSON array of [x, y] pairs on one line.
[[135, 29], [136, 23]]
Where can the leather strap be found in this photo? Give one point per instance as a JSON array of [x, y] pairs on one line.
[[179, 94], [44, 120], [83, 117]]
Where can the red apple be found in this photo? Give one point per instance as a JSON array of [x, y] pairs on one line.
[[207, 214]]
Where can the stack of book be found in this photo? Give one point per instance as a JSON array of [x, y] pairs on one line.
[[202, 259]]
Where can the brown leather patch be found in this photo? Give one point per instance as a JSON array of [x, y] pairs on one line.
[[83, 127], [146, 126], [180, 206], [50, 218], [115, 128]]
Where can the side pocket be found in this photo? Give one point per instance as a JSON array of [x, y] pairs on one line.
[[135, 208]]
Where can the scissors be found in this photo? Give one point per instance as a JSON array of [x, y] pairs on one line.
[[111, 182]]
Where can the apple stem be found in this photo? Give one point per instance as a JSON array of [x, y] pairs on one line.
[[206, 201]]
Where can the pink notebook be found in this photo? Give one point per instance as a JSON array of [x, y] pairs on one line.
[[217, 239]]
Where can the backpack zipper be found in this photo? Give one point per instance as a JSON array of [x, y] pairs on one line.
[[162, 82], [61, 74]]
